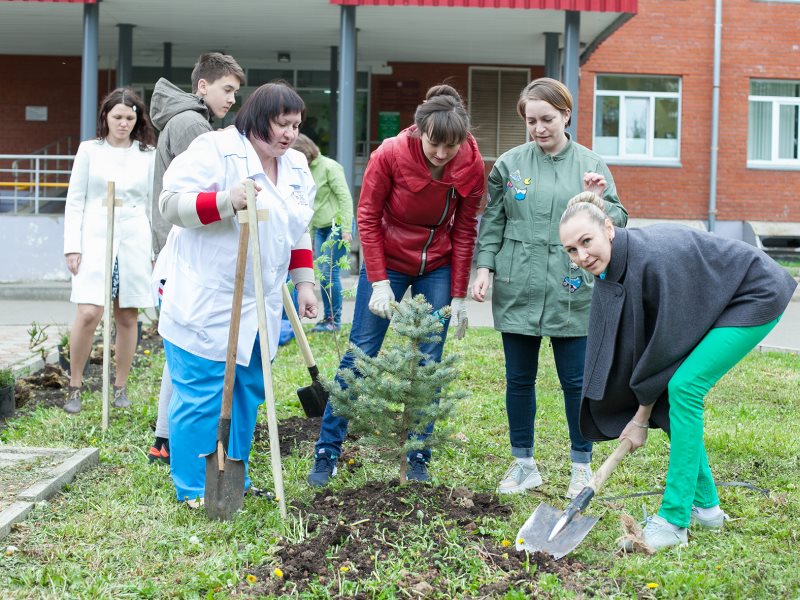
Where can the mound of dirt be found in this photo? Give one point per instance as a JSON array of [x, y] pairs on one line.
[[351, 530]]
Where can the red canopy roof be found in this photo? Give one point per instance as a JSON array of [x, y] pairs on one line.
[[627, 6]]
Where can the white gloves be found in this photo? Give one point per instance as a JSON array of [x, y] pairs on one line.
[[381, 299], [458, 317]]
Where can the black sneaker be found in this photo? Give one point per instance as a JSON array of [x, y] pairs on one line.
[[418, 469], [324, 469], [159, 451]]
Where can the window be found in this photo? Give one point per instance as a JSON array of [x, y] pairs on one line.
[[773, 127], [493, 95], [637, 118]]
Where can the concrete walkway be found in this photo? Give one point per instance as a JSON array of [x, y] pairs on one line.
[[48, 304]]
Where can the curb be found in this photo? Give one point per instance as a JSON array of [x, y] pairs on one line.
[[36, 290], [60, 475]]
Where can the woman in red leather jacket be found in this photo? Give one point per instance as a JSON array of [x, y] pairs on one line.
[[417, 219]]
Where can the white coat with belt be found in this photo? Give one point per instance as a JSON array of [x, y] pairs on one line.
[[199, 262], [131, 170]]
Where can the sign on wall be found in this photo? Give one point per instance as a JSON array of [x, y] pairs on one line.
[[36, 113], [388, 124]]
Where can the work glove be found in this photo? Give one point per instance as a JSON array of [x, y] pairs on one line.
[[458, 317], [381, 299]]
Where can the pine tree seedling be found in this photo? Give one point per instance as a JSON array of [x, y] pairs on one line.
[[398, 394]]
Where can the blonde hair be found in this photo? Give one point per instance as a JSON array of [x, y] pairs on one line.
[[586, 202], [304, 144], [555, 93]]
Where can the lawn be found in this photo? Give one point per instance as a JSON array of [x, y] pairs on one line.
[[117, 532]]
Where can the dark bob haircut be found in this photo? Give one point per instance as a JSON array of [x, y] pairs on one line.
[[265, 105], [142, 131]]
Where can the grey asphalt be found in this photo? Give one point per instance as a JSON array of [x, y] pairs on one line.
[[47, 303]]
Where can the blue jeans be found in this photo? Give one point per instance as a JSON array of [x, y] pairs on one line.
[[368, 332], [522, 364], [329, 273]]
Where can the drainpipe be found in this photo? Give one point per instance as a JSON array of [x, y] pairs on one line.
[[712, 194]]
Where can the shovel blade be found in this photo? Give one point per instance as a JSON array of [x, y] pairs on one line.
[[224, 495], [533, 534], [314, 399]]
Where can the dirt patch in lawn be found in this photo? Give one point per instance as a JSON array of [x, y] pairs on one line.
[[48, 386], [351, 531]]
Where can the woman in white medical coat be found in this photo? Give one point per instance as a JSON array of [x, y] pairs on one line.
[[203, 189], [123, 153]]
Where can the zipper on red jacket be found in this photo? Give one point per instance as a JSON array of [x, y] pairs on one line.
[[451, 195]]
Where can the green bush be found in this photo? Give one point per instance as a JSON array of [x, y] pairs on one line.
[[6, 377]]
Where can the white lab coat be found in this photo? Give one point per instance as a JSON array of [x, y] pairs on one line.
[[199, 263], [131, 170]]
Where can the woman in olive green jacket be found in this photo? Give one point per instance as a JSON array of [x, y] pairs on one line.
[[538, 291]]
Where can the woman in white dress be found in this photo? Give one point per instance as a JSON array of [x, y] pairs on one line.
[[123, 153]]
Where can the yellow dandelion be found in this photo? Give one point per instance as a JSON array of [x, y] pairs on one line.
[[252, 578], [351, 462], [505, 543], [520, 541], [652, 585], [147, 352], [278, 573], [344, 569], [505, 555]]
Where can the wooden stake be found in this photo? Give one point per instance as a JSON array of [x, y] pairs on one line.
[[266, 364], [110, 203]]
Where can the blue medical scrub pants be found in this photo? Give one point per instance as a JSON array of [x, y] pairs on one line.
[[368, 332], [194, 413]]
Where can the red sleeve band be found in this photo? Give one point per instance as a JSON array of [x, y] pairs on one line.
[[301, 259], [207, 207]]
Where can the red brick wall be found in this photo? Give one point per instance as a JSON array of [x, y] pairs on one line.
[[677, 38], [51, 81]]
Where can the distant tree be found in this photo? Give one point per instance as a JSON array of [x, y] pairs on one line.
[[397, 395]]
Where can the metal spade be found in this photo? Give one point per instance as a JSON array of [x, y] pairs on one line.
[[558, 532]]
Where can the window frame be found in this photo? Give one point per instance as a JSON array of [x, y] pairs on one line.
[[775, 162], [496, 151], [647, 158]]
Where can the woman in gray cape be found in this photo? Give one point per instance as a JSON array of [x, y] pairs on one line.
[[673, 310]]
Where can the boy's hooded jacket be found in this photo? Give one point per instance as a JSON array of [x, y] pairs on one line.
[[180, 117]]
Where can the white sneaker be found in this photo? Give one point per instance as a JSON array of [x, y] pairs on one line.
[[658, 533], [717, 522], [519, 478], [581, 476]]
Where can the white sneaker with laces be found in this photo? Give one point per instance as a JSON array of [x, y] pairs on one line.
[[518, 478], [659, 533], [581, 476]]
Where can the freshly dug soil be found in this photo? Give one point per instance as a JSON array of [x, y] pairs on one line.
[[351, 531]]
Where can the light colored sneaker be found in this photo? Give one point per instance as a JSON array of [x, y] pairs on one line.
[[581, 476], [121, 397], [717, 522], [519, 478], [659, 533]]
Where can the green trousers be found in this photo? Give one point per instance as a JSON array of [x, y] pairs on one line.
[[689, 479]]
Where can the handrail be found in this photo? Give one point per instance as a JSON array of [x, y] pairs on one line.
[[37, 183]]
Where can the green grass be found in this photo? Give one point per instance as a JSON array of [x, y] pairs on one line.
[[793, 266], [117, 532]]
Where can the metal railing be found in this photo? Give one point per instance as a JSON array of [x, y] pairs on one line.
[[34, 183]]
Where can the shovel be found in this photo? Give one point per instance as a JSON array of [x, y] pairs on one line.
[[558, 532], [313, 397], [224, 494]]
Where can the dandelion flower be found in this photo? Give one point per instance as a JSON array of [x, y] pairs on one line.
[[194, 540], [505, 543], [520, 541], [351, 462], [251, 578], [344, 569], [505, 555], [652, 585], [278, 573], [147, 352]]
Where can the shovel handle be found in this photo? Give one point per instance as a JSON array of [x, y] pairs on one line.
[[297, 327], [233, 331], [605, 470]]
